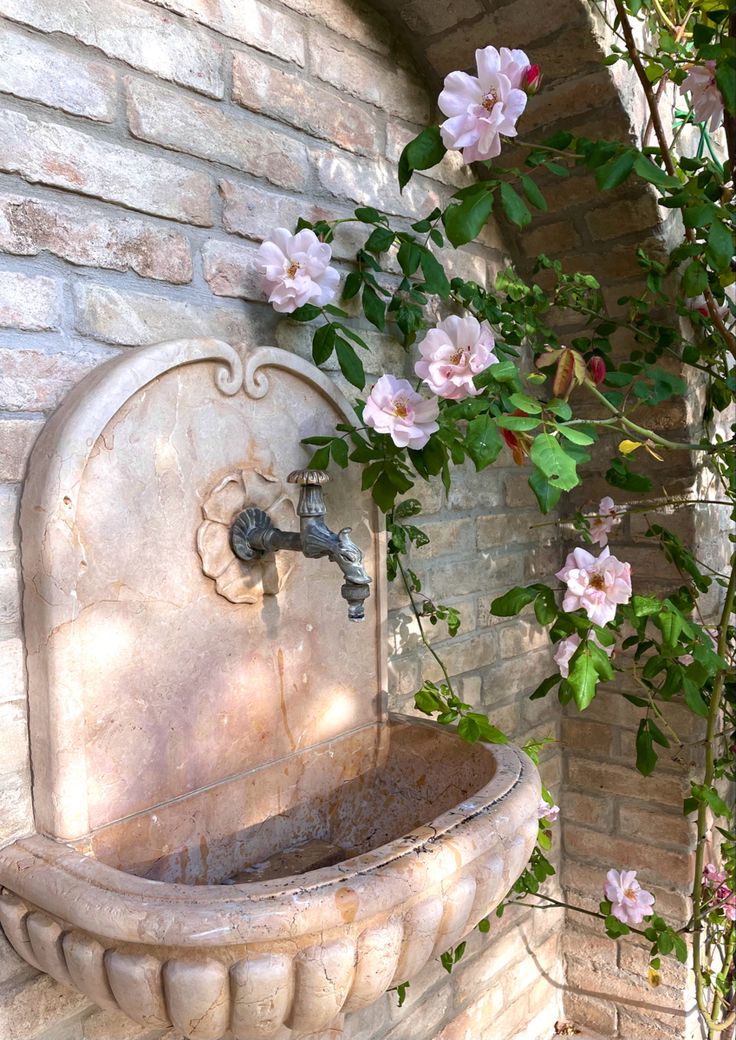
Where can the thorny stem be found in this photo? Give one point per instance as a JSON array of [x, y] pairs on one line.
[[702, 824], [422, 633], [552, 903], [649, 435]]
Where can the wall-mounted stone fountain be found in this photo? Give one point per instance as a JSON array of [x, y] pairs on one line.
[[231, 834]]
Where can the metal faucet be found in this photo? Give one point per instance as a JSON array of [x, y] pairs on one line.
[[253, 534]]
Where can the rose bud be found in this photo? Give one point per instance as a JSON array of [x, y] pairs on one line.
[[597, 369], [531, 81]]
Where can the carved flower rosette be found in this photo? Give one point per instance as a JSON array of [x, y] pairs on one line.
[[237, 580]]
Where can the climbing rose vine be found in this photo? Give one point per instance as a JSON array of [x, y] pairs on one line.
[[492, 376]]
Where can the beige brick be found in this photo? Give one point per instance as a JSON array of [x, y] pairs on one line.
[[28, 302], [134, 319], [593, 981], [520, 636], [354, 19], [448, 577], [232, 269], [66, 158], [112, 1025], [258, 24], [298, 101], [84, 236], [16, 440], [12, 671], [177, 121], [16, 821], [373, 183], [33, 1007], [37, 380], [422, 1021], [9, 499], [565, 100], [136, 33], [591, 1012], [552, 239], [637, 1024], [253, 213], [34, 69], [13, 736], [447, 535]]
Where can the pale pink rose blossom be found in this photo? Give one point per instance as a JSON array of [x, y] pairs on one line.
[[602, 523], [728, 904], [482, 108], [597, 584], [630, 903], [297, 270], [712, 876], [452, 353], [515, 65], [706, 98], [393, 407], [567, 647], [548, 812]]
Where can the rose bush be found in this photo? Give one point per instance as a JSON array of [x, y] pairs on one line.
[[478, 395]]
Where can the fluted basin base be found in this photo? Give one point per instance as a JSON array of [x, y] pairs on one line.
[[194, 914]]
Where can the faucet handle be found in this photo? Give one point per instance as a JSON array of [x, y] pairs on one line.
[[308, 477]]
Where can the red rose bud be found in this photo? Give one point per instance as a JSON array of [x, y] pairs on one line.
[[518, 443], [597, 368], [531, 80]]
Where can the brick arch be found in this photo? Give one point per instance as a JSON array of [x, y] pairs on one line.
[[584, 229]]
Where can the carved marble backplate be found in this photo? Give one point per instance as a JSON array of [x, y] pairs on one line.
[[149, 679]]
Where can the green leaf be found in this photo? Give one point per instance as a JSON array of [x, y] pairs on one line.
[[306, 313], [615, 171], [526, 404], [321, 458], [711, 797], [645, 606], [532, 192], [369, 214], [323, 343], [514, 206], [695, 279], [483, 441], [694, 698], [409, 255], [374, 308], [380, 240], [546, 494], [646, 756], [545, 686], [619, 475], [558, 467], [464, 222], [468, 729], [427, 700], [726, 80], [514, 600], [583, 679], [339, 450], [350, 364], [517, 422], [545, 607], [720, 246], [434, 275], [423, 152], [576, 435], [352, 285]]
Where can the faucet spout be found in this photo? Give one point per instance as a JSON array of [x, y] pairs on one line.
[[253, 535]]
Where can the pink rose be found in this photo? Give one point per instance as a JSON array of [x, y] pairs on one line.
[[548, 812], [452, 353], [629, 902], [602, 524], [706, 98], [597, 584], [567, 647], [393, 407], [480, 109], [700, 304], [515, 65], [296, 270], [712, 876]]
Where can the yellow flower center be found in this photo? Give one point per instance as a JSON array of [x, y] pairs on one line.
[[291, 270], [597, 582], [630, 893], [458, 356], [400, 408], [490, 100]]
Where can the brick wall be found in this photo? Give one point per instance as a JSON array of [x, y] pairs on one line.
[[146, 148]]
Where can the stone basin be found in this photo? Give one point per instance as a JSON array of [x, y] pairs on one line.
[[232, 837], [415, 836]]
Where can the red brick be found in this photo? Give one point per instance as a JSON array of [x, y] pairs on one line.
[[16, 440], [87, 237], [28, 302], [66, 158], [33, 68], [177, 121], [258, 24], [299, 102], [136, 33]]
